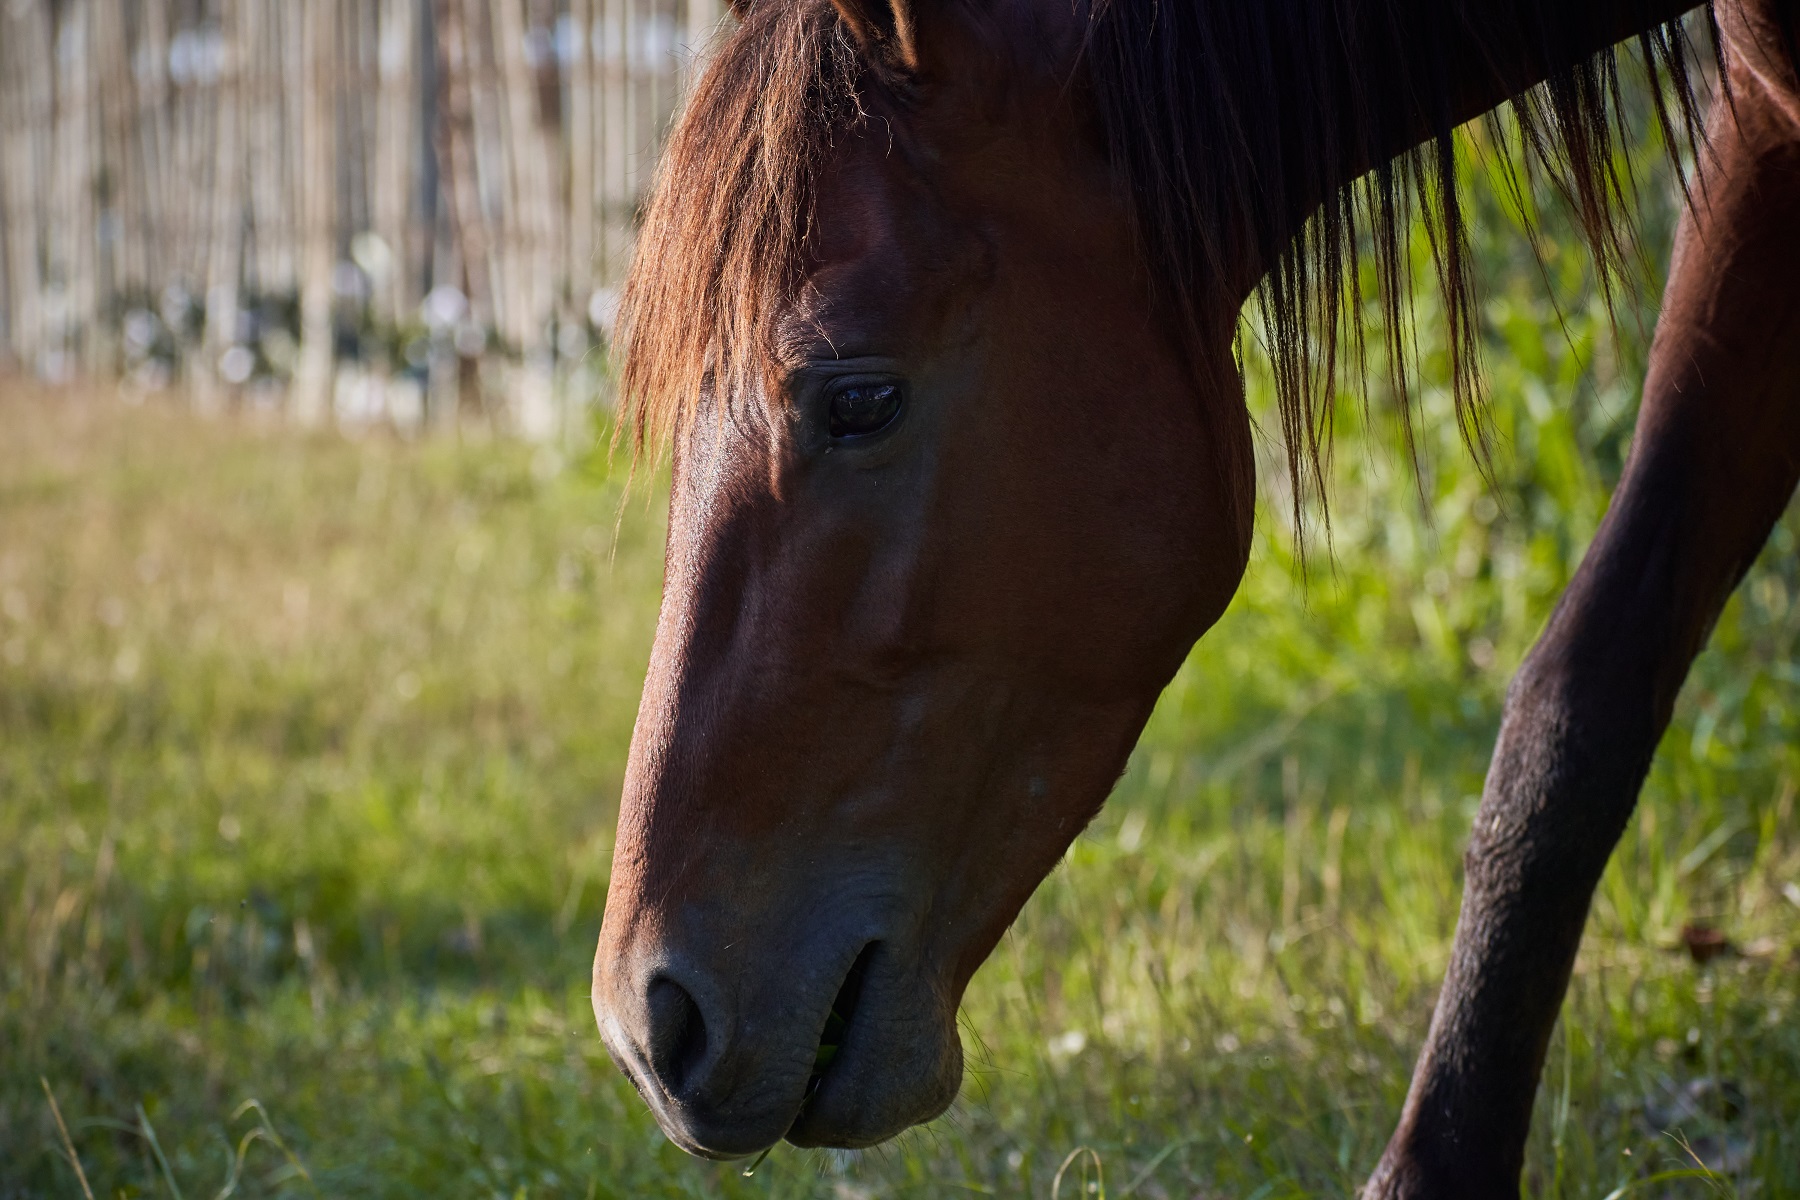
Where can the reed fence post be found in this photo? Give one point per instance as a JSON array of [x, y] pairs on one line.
[[214, 374], [395, 151], [318, 188], [23, 134]]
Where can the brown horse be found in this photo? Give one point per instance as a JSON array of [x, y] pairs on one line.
[[936, 300]]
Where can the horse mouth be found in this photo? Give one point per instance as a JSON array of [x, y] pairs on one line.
[[891, 1060], [838, 1020], [831, 1038]]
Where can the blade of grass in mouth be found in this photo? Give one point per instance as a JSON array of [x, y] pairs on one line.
[[830, 1040], [751, 1169]]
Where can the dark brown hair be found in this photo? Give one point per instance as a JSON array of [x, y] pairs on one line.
[[1241, 120], [1228, 120]]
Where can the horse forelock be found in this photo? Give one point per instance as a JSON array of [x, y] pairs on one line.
[[723, 238]]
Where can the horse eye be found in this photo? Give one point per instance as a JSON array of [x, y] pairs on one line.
[[858, 409]]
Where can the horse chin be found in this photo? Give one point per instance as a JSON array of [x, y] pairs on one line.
[[703, 1139], [743, 1126]]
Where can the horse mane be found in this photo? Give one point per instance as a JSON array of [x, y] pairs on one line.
[[1244, 119], [1201, 104]]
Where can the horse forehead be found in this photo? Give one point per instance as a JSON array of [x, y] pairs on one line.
[[850, 308], [884, 269]]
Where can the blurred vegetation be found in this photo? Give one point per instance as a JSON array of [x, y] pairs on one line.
[[310, 750]]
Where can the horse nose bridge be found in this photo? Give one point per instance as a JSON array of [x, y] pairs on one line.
[[767, 591]]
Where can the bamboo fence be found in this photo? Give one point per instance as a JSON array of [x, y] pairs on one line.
[[411, 212]]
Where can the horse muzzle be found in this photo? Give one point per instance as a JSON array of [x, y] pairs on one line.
[[841, 1043]]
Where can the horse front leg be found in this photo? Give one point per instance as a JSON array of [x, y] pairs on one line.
[[1714, 461]]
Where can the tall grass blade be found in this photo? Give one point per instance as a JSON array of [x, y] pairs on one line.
[[68, 1144], [162, 1160]]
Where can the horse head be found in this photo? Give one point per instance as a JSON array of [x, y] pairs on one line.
[[953, 494]]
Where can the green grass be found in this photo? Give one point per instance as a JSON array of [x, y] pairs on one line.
[[310, 752]]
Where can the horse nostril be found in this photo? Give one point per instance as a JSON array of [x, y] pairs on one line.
[[677, 1040]]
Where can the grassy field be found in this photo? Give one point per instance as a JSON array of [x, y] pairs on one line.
[[310, 751]]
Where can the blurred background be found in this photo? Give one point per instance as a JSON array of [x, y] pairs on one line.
[[324, 611], [362, 212]]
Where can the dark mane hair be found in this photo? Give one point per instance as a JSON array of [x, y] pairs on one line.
[[1226, 121], [1242, 120]]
